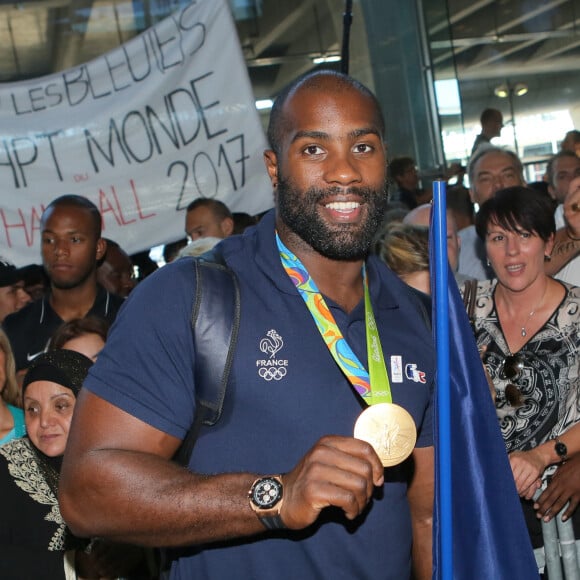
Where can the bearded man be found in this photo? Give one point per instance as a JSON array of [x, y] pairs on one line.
[[279, 487]]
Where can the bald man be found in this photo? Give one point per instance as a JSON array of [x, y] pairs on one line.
[[420, 216]]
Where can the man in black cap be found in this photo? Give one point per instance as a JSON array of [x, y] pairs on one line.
[[12, 294]]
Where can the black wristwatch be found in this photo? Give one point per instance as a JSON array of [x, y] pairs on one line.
[[561, 450], [266, 500]]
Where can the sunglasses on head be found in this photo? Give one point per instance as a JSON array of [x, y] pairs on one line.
[[511, 369]]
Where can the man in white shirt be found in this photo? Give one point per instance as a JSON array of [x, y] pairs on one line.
[[571, 271], [490, 170], [562, 170]]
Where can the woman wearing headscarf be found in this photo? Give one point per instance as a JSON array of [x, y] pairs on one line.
[[34, 540], [528, 326], [11, 415]]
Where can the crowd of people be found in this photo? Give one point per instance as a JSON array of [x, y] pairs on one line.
[[279, 486], [518, 259]]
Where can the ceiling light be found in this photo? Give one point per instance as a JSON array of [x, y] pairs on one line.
[[328, 58], [264, 104], [501, 91]]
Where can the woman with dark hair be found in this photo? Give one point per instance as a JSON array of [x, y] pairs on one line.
[[34, 539], [528, 327]]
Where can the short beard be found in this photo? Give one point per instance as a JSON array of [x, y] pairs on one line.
[[345, 242], [70, 284]]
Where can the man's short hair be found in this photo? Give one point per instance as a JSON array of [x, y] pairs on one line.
[[313, 80], [111, 244], [489, 115], [219, 209], [573, 135], [399, 165], [78, 201], [242, 221], [9, 274], [483, 151], [550, 166], [459, 202]]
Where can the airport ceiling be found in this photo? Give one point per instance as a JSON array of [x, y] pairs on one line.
[[487, 39], [505, 37]]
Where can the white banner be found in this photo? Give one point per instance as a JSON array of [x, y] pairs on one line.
[[141, 131]]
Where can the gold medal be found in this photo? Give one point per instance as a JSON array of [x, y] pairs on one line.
[[391, 431]]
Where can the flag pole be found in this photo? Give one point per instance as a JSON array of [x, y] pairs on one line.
[[441, 300], [345, 50]]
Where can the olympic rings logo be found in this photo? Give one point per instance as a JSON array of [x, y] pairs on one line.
[[272, 373]]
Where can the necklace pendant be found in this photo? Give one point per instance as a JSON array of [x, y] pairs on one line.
[[524, 333]]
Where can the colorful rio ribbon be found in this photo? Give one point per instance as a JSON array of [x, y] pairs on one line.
[[372, 385]]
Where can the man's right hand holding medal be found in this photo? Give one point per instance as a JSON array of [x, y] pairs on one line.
[[337, 471]]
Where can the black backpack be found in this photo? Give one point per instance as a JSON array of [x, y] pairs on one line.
[[215, 322]]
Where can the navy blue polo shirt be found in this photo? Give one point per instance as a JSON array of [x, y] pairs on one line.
[[285, 393], [30, 329]]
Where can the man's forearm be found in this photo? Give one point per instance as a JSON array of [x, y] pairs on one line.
[[155, 502], [420, 494], [565, 249], [422, 550]]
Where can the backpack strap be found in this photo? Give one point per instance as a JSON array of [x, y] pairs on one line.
[[215, 322]]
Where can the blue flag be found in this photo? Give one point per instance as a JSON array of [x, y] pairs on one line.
[[479, 528]]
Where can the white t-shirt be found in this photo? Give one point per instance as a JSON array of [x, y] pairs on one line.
[[571, 271], [472, 257]]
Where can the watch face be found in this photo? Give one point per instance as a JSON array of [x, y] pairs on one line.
[[561, 449], [266, 493]]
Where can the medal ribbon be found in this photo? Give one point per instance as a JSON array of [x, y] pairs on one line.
[[372, 385]]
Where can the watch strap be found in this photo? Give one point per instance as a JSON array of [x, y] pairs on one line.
[[272, 522], [561, 450]]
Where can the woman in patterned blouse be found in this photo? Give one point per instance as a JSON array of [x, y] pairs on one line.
[[527, 324], [34, 539]]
